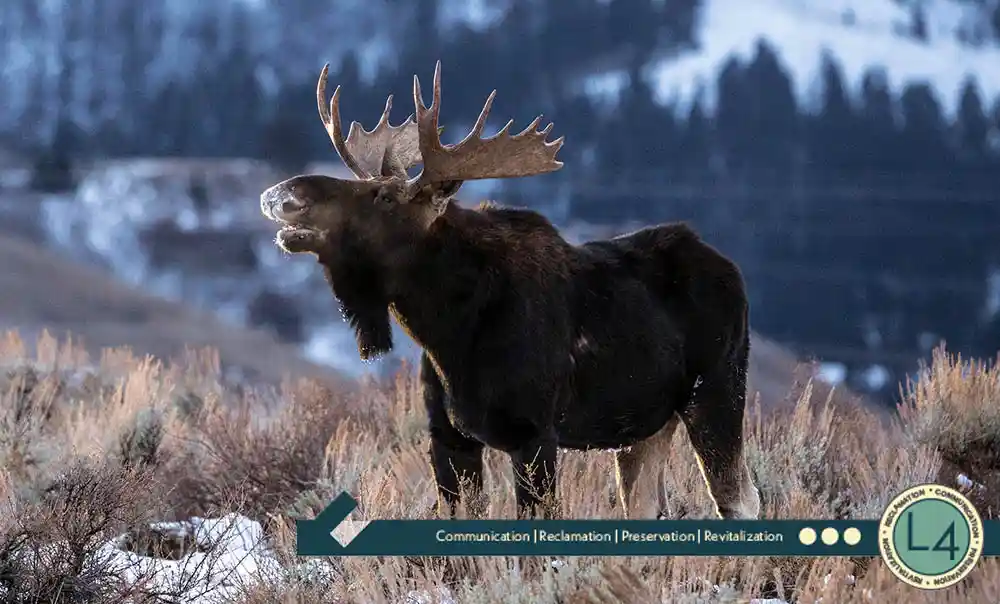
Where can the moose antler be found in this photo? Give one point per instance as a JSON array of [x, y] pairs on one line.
[[386, 150], [389, 150], [499, 156]]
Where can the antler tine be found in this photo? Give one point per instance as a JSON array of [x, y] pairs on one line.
[[477, 128], [418, 97], [331, 121], [436, 92], [385, 150], [427, 117], [384, 120], [555, 145], [499, 156], [324, 111]]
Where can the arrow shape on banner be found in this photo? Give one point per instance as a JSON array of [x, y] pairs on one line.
[[333, 521], [347, 530]]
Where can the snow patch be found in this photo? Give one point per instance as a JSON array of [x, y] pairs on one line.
[[968, 484], [876, 377], [229, 556], [832, 373], [236, 560]]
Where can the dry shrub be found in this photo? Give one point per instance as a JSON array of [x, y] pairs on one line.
[[270, 455], [165, 441], [954, 408], [49, 544]]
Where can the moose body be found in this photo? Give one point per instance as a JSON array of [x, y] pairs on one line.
[[529, 343]]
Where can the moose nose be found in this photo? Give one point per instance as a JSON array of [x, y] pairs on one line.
[[277, 201]]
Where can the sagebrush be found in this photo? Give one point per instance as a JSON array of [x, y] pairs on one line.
[[95, 449]]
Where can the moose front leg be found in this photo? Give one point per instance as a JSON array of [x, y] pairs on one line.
[[457, 460], [458, 466], [534, 466], [457, 463]]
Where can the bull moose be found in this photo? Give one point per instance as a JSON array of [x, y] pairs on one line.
[[529, 343]]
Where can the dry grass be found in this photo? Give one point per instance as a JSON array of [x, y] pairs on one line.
[[91, 450]]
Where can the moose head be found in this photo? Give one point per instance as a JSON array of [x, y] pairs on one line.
[[368, 231], [383, 210]]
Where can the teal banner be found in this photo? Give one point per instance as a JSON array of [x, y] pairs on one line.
[[333, 534]]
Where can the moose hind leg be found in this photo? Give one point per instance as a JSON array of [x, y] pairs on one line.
[[714, 422], [630, 463]]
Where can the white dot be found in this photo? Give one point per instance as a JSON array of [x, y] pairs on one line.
[[807, 536], [829, 535], [852, 536]]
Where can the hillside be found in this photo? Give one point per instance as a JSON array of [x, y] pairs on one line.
[[859, 36], [43, 290]]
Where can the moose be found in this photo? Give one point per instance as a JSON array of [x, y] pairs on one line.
[[529, 344]]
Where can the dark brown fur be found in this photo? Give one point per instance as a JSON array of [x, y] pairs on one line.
[[531, 343]]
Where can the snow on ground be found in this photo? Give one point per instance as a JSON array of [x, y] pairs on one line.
[[237, 559], [226, 556], [800, 30]]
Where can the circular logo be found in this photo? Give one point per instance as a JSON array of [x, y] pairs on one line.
[[930, 536]]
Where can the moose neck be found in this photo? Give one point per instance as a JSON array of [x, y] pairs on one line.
[[452, 282], [441, 291]]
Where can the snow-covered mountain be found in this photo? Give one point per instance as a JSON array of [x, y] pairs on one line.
[[860, 34], [55, 65]]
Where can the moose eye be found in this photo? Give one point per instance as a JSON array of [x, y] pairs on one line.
[[383, 197]]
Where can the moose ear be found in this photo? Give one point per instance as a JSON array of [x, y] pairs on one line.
[[442, 193]]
